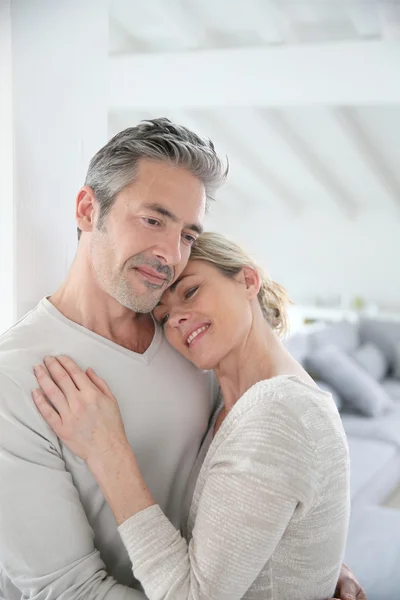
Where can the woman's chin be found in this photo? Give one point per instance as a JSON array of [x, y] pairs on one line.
[[204, 360], [205, 365]]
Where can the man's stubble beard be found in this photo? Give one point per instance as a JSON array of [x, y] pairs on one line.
[[125, 294], [119, 286]]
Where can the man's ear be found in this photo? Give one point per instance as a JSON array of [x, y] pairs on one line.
[[252, 281], [85, 208]]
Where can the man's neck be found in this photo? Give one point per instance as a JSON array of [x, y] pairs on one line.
[[82, 300]]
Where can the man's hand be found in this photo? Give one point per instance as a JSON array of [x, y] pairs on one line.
[[348, 587]]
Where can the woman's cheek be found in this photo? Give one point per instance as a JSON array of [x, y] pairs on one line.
[[172, 337]]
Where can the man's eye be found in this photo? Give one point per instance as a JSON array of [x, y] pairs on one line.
[[190, 239], [164, 319], [152, 221], [191, 292]]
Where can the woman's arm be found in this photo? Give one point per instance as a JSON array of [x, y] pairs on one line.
[[252, 490], [121, 482]]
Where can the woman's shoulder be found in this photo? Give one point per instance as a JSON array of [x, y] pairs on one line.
[[288, 402], [285, 390]]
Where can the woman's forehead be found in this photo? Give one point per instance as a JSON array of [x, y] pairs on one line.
[[170, 293]]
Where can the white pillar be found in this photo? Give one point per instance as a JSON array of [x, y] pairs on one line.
[[7, 292], [60, 51]]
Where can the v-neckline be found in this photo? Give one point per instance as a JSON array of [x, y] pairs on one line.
[[145, 357]]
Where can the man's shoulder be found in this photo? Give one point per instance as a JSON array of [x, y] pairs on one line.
[[26, 327], [21, 347]]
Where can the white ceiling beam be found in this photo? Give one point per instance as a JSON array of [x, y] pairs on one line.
[[278, 13], [350, 73], [245, 183], [313, 163], [389, 18], [372, 156], [156, 24], [259, 170], [120, 41], [365, 19]]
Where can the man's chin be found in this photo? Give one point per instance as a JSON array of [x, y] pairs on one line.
[[145, 307], [140, 303]]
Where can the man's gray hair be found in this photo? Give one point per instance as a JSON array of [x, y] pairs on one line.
[[115, 165]]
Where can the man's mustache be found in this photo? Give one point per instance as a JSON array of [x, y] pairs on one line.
[[165, 270]]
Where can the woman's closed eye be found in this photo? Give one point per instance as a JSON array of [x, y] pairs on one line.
[[164, 319], [186, 295], [189, 293]]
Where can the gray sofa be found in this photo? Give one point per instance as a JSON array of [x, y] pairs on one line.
[[359, 364]]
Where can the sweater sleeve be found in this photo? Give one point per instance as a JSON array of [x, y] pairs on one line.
[[46, 542], [261, 474]]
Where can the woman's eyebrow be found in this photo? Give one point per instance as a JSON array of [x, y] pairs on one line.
[[174, 285]]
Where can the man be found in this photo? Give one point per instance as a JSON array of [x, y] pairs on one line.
[[138, 214]]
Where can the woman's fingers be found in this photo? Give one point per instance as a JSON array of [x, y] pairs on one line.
[[77, 375], [99, 382], [59, 375], [47, 411], [52, 389]]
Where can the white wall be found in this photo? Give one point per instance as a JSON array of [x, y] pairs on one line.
[[7, 296], [60, 120], [315, 255], [59, 75]]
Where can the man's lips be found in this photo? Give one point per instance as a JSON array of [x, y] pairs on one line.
[[152, 275]]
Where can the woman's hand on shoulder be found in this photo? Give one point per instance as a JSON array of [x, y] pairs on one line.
[[79, 407]]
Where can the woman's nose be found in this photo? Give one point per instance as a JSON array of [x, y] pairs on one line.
[[178, 318]]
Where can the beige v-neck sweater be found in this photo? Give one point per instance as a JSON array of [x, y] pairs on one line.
[[270, 510], [58, 537]]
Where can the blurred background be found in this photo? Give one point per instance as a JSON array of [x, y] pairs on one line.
[[302, 96]]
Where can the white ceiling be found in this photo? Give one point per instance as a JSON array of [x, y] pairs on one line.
[[341, 155], [187, 25]]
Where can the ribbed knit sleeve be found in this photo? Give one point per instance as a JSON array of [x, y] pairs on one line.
[[259, 477]]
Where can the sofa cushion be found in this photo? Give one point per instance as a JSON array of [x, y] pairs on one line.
[[396, 365], [373, 551], [351, 382], [325, 387], [384, 334], [372, 360], [385, 428], [368, 459], [392, 387], [344, 335]]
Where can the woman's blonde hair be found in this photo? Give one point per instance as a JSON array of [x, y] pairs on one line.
[[230, 259]]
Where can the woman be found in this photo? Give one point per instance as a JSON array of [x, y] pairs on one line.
[[270, 506]]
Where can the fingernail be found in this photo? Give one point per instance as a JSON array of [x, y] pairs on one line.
[[37, 367]]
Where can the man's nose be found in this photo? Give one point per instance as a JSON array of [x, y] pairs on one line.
[[169, 250]]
